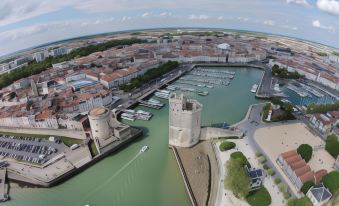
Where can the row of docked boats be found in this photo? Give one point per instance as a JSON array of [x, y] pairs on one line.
[[215, 71], [221, 76], [164, 94], [151, 103], [204, 80], [132, 115]]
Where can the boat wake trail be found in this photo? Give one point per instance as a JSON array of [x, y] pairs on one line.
[[111, 178]]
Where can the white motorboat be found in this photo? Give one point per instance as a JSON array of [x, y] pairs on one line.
[[144, 149], [254, 88]]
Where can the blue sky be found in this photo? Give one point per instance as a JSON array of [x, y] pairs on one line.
[[29, 23]]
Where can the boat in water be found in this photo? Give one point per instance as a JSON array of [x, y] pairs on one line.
[[254, 88], [144, 149], [202, 93]]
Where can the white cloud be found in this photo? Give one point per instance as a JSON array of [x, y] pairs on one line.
[[317, 24], [220, 18], [146, 14], [243, 18], [300, 2], [330, 6], [198, 17], [125, 18], [269, 22], [289, 27], [15, 11], [166, 14]]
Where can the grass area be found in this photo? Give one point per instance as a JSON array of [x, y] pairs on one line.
[[66, 140], [259, 197], [93, 148]]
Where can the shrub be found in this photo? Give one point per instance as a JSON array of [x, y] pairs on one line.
[[286, 195], [262, 159], [266, 167], [257, 153], [231, 137], [270, 172], [277, 180], [226, 146], [307, 185], [305, 151], [282, 187], [241, 156]]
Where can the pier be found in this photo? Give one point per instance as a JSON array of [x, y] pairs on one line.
[[3, 185]]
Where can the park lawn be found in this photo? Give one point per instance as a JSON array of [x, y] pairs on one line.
[[259, 197], [66, 140]]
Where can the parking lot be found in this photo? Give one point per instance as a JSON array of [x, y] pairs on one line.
[[29, 149]]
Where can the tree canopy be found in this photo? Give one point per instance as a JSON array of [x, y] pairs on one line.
[[332, 145], [241, 157], [331, 181], [322, 108], [305, 151], [237, 179], [307, 185]]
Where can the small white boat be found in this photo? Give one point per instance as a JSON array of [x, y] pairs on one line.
[[254, 88], [144, 148]]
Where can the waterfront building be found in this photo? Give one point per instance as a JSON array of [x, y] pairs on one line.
[[319, 195], [324, 123], [184, 120]]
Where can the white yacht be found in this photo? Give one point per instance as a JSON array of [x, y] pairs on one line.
[[144, 149]]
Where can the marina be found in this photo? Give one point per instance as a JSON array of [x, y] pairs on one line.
[[156, 167]]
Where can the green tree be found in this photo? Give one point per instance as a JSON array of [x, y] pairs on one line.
[[305, 151], [307, 185], [331, 181], [332, 145], [241, 157], [237, 179]]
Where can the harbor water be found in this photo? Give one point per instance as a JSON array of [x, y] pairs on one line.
[[128, 177]]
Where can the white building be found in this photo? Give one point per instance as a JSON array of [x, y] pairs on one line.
[[184, 121], [319, 195], [40, 56]]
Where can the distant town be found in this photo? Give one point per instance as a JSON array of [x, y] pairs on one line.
[[67, 105]]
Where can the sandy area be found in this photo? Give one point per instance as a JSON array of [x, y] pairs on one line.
[[278, 139]]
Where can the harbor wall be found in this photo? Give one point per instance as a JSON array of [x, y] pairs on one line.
[[184, 176], [208, 133]]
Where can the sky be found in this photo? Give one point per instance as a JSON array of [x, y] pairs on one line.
[[27, 23]]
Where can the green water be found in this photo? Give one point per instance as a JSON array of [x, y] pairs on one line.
[[127, 178]]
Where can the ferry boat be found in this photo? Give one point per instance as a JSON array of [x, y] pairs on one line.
[[254, 88], [144, 149]]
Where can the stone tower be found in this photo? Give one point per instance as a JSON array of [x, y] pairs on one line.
[[184, 121]]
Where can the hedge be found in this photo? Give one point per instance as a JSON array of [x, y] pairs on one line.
[[224, 146]]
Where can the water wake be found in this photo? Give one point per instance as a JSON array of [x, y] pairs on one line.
[[112, 177]]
